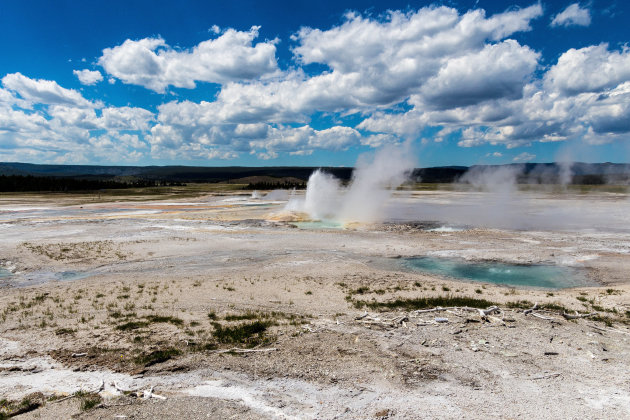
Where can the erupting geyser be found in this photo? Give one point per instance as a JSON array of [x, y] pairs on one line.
[[365, 198]]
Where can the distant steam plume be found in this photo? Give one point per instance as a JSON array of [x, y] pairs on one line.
[[365, 198]]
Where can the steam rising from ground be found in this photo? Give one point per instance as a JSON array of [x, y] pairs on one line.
[[365, 198], [498, 198]]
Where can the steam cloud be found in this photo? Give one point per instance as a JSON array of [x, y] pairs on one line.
[[366, 197], [497, 202]]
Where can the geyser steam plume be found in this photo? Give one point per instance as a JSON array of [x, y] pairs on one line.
[[364, 200]]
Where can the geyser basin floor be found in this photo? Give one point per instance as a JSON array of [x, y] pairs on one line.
[[225, 259], [547, 276]]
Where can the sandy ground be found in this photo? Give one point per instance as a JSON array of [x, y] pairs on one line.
[[116, 298]]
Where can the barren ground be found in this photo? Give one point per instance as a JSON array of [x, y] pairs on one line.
[[229, 314]]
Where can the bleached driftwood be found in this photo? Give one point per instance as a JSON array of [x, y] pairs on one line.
[[532, 309], [120, 389], [149, 394], [489, 311], [547, 376], [78, 354], [495, 319], [383, 322], [546, 318]]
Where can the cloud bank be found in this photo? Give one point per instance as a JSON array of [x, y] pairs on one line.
[[372, 80]]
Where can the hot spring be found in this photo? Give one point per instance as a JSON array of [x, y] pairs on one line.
[[540, 275], [4, 273]]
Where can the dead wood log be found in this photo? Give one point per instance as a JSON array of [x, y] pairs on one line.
[[546, 318], [530, 310], [149, 394], [547, 376]]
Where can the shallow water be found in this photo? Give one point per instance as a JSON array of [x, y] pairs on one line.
[[4, 273], [319, 224], [545, 276], [40, 277]]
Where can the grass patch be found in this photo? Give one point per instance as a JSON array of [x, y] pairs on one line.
[[555, 307], [88, 400], [131, 325], [360, 291], [519, 304], [213, 315], [241, 317], [158, 356], [426, 303], [164, 319], [249, 334], [9, 409], [598, 318]]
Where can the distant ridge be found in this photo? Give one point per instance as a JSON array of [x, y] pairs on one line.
[[528, 172]]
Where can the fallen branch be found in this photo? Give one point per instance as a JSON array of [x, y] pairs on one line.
[[64, 398], [361, 316], [495, 319], [542, 316], [548, 376], [530, 310], [485, 312], [78, 354], [149, 394]]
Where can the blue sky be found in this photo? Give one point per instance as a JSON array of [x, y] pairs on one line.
[[313, 83]]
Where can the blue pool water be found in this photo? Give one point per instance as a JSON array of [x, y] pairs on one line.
[[546, 276], [319, 224], [4, 273]]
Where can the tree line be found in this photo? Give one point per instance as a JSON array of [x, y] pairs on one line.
[[275, 186], [29, 183]]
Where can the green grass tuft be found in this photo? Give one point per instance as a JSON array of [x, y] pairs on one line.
[[249, 334], [131, 325], [426, 302], [158, 356]]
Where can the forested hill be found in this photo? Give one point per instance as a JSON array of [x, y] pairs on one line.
[[582, 173]]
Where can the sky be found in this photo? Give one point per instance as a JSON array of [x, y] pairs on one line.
[[251, 83]]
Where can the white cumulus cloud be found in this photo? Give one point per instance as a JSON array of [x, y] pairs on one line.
[[572, 15], [589, 69], [151, 63], [88, 77], [43, 91]]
